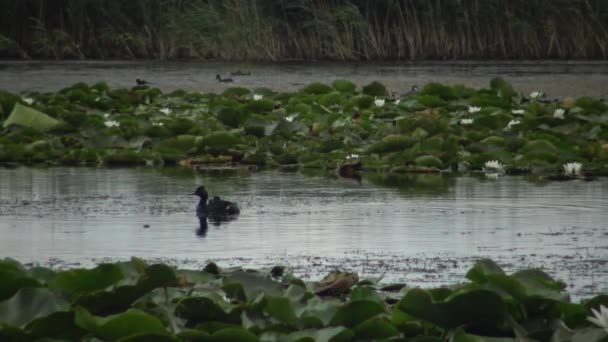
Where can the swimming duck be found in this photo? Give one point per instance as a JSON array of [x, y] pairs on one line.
[[141, 82], [216, 209], [220, 79]]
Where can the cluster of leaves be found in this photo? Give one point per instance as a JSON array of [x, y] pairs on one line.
[[440, 127], [134, 301]]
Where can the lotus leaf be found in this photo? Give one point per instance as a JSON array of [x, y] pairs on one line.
[[391, 143], [14, 277], [58, 325], [540, 149], [344, 86], [332, 99], [429, 161], [31, 118], [80, 281], [236, 92], [204, 309], [254, 283], [502, 88], [473, 308], [375, 88], [7, 102], [127, 324], [374, 329], [317, 89], [439, 90], [353, 313], [430, 101], [336, 334], [30, 303], [280, 308]]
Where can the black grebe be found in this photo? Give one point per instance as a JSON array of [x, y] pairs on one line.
[[216, 209], [219, 78]]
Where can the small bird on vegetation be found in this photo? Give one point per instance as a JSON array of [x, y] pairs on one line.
[[225, 80], [411, 92]]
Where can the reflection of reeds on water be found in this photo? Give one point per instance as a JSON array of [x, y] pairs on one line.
[[300, 29]]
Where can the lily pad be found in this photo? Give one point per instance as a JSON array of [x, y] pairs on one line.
[[29, 304], [31, 118]]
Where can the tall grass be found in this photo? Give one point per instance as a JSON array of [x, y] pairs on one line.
[[304, 29]]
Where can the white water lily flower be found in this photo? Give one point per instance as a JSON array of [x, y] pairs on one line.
[[517, 111], [573, 168], [289, 118], [492, 175], [559, 113], [493, 166], [465, 122], [600, 318], [379, 102], [397, 102], [473, 109], [536, 95], [166, 111], [352, 156], [28, 100], [257, 97], [158, 124], [106, 115], [511, 124], [112, 123]]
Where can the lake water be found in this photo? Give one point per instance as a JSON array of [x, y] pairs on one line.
[[555, 78], [424, 230]]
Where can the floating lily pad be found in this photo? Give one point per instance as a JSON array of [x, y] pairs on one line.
[[29, 117]]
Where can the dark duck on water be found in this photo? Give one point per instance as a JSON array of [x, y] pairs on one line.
[[216, 209]]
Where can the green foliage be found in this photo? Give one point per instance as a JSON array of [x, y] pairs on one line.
[[31, 118], [7, 102], [236, 92], [232, 117], [429, 161], [133, 301], [439, 90], [317, 88], [502, 88], [344, 86], [390, 143], [375, 89], [316, 128]]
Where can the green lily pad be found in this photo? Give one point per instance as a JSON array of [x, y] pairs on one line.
[[31, 118], [129, 323], [335, 334], [480, 308], [29, 304], [13, 277], [74, 282], [354, 313], [375, 328]]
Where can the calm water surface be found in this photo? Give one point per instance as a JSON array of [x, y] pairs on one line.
[[555, 78], [80, 216]]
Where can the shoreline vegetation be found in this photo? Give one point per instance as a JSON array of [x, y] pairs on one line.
[[338, 30], [138, 301], [325, 127]]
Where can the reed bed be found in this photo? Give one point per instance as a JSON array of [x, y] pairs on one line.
[[304, 29]]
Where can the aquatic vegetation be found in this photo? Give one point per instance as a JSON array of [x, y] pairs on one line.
[[136, 300], [444, 126]]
